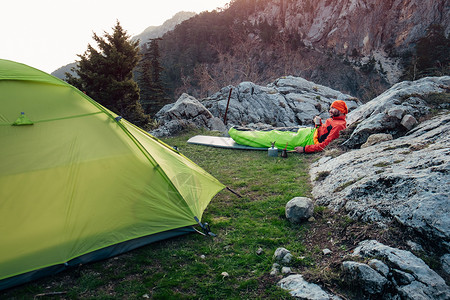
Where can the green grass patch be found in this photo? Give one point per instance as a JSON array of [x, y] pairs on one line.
[[322, 175], [397, 147], [382, 164], [348, 183], [319, 210], [437, 99]]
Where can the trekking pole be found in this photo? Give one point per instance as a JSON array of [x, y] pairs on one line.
[[226, 110]]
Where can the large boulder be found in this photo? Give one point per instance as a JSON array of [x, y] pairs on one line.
[[187, 112], [365, 277], [397, 110], [288, 101], [405, 180], [408, 276]]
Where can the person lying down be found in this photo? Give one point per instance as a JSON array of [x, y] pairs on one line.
[[301, 140]]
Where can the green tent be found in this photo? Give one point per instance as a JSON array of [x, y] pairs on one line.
[[78, 183]]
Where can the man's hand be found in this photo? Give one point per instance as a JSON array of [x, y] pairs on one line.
[[298, 149]]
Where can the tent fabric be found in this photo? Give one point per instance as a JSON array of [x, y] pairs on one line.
[[103, 253], [78, 181]]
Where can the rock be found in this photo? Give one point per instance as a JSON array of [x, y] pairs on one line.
[[376, 138], [417, 290], [403, 180], [364, 276], [286, 270], [280, 253], [299, 209], [396, 112], [445, 261], [326, 251], [379, 266], [411, 277], [225, 274], [216, 124], [408, 122], [301, 289], [169, 128], [414, 246], [382, 114], [287, 258], [288, 101], [402, 278], [275, 269], [259, 251], [185, 113]]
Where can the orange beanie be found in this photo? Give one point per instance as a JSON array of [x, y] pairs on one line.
[[341, 106]]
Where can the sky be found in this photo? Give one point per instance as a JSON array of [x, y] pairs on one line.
[[48, 34]]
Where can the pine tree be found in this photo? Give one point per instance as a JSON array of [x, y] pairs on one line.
[[153, 96], [106, 75]]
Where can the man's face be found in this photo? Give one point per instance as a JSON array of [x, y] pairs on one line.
[[334, 112]]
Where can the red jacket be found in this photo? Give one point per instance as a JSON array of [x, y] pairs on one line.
[[326, 133]]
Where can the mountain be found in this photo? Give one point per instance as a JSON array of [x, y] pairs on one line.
[[61, 72], [355, 46]]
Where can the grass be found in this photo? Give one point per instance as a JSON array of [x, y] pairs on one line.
[[190, 267], [322, 175], [348, 183], [382, 164]]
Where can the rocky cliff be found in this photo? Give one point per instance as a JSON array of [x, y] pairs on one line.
[[358, 29], [356, 46]]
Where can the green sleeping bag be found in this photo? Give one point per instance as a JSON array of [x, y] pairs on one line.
[[293, 137]]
